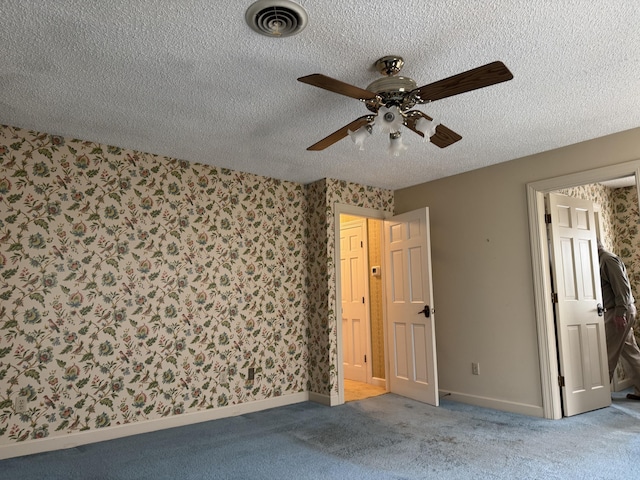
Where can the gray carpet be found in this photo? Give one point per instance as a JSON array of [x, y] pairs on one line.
[[387, 437]]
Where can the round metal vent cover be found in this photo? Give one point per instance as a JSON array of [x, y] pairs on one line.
[[276, 18]]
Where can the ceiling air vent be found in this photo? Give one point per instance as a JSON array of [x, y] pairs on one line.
[[276, 18]]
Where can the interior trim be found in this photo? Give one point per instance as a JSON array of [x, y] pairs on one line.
[[551, 394], [100, 435], [494, 403], [340, 208]]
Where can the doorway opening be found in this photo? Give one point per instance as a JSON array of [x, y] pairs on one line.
[[362, 321], [410, 362], [616, 219], [374, 379], [548, 353]]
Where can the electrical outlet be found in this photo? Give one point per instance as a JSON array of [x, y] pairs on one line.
[[21, 404], [475, 368], [252, 372]]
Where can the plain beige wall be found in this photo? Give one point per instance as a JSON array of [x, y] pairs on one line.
[[483, 288]]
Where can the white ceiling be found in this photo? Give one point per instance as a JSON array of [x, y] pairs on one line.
[[189, 79]]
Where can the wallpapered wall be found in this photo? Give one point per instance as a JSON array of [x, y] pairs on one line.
[[135, 287], [626, 219], [374, 230]]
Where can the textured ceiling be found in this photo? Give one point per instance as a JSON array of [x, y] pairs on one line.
[[189, 79]]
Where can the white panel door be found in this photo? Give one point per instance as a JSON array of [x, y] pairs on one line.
[[354, 303], [582, 348], [411, 336]]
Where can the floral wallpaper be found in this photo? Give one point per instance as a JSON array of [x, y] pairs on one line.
[[318, 291], [136, 287], [627, 234]]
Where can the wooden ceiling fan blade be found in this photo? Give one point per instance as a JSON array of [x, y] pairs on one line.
[[490, 74], [336, 86], [341, 133], [443, 137]]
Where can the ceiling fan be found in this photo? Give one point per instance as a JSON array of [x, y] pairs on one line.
[[391, 99]]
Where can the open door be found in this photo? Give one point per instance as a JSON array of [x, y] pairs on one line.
[[582, 348], [411, 336]]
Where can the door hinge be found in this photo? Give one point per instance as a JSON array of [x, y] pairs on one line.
[[361, 244], [554, 298], [365, 359], [547, 218], [561, 380], [362, 299]]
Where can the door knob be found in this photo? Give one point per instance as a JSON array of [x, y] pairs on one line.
[[600, 310], [426, 310]]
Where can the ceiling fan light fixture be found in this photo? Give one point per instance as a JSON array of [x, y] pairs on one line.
[[391, 119], [360, 135], [396, 147], [428, 127], [276, 18]]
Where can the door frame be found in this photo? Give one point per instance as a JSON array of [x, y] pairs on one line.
[[339, 209], [547, 349]]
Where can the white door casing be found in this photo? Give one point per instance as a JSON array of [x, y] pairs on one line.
[[354, 303], [582, 349], [410, 333], [339, 210]]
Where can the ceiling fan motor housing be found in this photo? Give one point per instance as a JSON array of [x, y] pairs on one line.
[[393, 91], [389, 65]]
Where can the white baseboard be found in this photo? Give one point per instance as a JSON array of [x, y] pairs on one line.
[[505, 406], [378, 382], [620, 385], [321, 398], [82, 438]]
